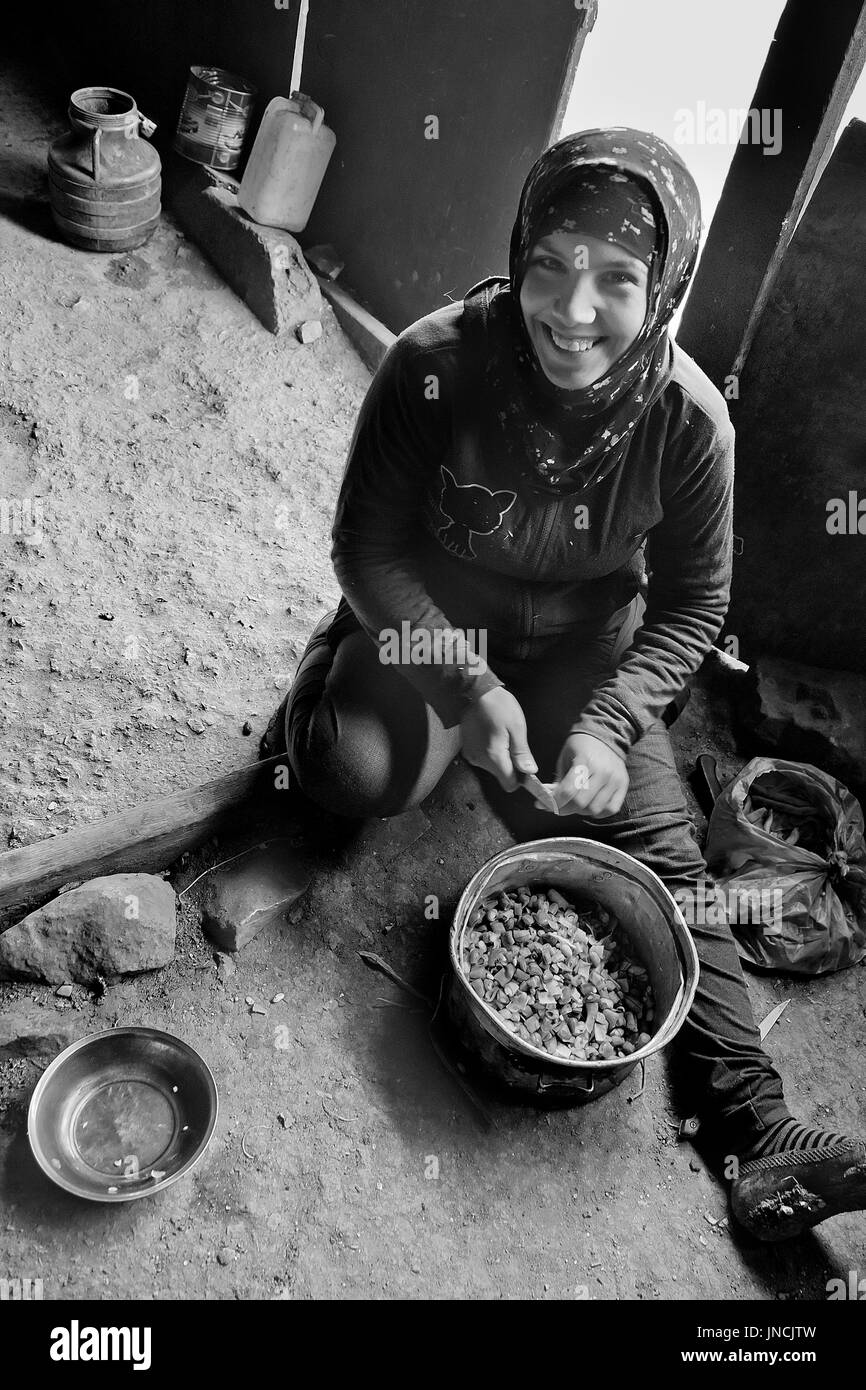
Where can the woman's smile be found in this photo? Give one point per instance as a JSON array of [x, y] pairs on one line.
[[568, 344], [584, 302]]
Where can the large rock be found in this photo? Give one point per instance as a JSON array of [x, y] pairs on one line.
[[117, 925], [252, 891], [813, 714], [264, 265]]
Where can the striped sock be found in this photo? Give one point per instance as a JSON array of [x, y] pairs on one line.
[[790, 1134]]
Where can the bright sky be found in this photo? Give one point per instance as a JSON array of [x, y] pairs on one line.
[[647, 59]]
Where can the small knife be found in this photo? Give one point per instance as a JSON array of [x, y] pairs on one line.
[[773, 1017], [536, 788]]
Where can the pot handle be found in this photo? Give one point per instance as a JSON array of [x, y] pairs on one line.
[[146, 128], [583, 1085], [95, 144], [309, 109]]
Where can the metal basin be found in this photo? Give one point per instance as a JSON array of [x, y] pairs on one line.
[[122, 1114], [649, 920]]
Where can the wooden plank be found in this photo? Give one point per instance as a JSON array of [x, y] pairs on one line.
[[147, 838], [371, 338]]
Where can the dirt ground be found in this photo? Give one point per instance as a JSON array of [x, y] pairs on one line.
[[187, 463]]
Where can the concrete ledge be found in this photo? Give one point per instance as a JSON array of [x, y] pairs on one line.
[[370, 337], [814, 715], [263, 265]]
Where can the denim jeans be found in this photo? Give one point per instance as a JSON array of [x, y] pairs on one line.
[[363, 742]]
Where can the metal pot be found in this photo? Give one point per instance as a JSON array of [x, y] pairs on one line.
[[651, 922], [104, 180]]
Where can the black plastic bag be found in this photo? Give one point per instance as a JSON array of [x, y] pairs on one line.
[[808, 868]]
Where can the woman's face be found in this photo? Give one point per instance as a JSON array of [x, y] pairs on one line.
[[584, 302]]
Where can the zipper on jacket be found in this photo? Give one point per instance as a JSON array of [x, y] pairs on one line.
[[547, 526]]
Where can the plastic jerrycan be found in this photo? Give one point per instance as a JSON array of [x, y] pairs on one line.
[[287, 163]]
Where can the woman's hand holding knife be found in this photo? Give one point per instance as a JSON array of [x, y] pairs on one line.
[[494, 737], [592, 779]]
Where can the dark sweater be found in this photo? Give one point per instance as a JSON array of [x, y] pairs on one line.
[[431, 531]]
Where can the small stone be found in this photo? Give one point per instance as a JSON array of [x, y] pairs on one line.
[[225, 1256], [196, 726], [694, 1165], [249, 1000], [257, 1009], [324, 260], [278, 998], [247, 728], [308, 332], [254, 891], [225, 966], [63, 991]]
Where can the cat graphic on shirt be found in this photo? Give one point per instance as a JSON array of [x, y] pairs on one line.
[[471, 510]]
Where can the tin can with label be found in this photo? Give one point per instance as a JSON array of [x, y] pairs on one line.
[[214, 117]]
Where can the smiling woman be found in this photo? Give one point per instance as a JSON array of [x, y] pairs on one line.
[[515, 454]]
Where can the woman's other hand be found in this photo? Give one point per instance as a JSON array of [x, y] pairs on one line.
[[494, 737], [592, 779]]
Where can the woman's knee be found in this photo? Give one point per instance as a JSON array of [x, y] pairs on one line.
[[362, 742], [356, 768], [353, 788]]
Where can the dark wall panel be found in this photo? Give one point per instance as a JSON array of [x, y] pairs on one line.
[[801, 436]]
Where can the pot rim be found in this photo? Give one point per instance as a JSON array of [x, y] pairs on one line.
[[241, 88], [569, 847], [104, 120]]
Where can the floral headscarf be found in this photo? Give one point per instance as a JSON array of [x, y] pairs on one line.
[[562, 440]]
